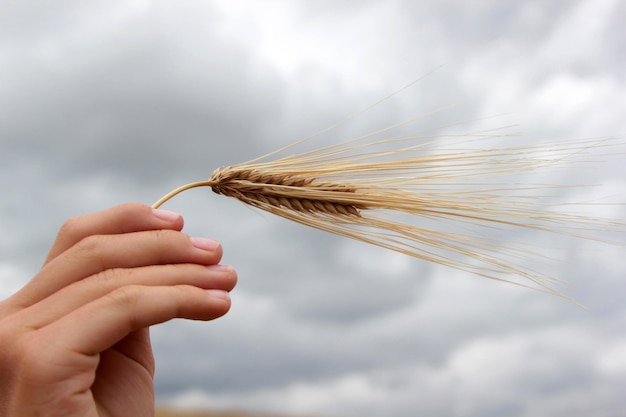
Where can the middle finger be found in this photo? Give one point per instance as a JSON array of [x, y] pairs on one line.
[[72, 297], [99, 253]]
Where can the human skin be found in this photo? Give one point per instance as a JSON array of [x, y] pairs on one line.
[[75, 340]]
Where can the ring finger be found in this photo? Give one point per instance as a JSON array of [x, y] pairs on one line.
[[71, 298]]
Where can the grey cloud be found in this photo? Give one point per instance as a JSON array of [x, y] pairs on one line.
[[106, 102], [138, 99]]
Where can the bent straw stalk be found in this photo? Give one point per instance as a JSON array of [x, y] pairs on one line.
[[442, 199]]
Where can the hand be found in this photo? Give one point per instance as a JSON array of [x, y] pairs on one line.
[[75, 341]]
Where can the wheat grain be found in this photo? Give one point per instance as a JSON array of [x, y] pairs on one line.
[[293, 192]]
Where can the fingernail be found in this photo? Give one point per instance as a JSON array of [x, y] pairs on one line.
[[166, 215], [221, 267], [219, 294], [204, 243]]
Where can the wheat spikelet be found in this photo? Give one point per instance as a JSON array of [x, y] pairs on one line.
[[292, 192], [444, 199]]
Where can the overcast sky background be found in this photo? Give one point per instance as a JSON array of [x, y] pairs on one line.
[[104, 102]]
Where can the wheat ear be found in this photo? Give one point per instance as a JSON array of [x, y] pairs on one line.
[[443, 199]]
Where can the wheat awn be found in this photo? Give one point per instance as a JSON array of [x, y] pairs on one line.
[[443, 199]]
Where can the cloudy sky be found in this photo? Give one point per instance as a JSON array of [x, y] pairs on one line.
[[104, 102]]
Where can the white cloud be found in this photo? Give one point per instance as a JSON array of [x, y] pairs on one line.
[[578, 32], [308, 43], [526, 373]]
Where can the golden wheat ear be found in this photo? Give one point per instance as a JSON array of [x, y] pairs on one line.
[[448, 200]]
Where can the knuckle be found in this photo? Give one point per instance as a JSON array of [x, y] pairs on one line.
[[169, 245], [109, 275], [90, 249], [134, 207], [162, 236], [125, 301], [71, 227], [88, 244], [166, 236], [125, 296]]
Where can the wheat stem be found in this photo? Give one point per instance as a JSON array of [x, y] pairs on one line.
[[208, 183]]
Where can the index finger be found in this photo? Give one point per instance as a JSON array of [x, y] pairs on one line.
[[125, 218]]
